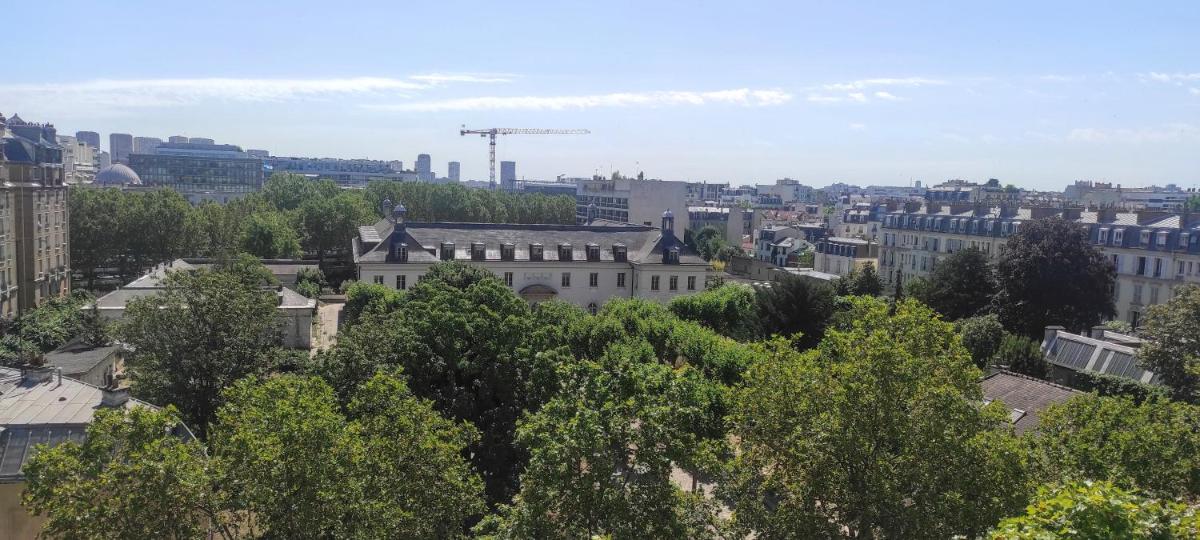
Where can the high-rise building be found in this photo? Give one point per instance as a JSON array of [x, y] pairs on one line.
[[452, 171], [424, 168], [103, 159], [508, 175], [145, 145], [34, 256], [120, 145], [200, 140], [89, 137], [177, 139], [79, 160]]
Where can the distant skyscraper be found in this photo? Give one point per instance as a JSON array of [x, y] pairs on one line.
[[201, 140], [176, 139], [120, 145], [508, 175], [145, 145], [103, 159], [424, 167], [452, 171], [89, 137]]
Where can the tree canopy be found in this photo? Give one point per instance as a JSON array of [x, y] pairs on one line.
[[1098, 510], [1171, 348], [960, 286], [1049, 274], [730, 310], [877, 432]]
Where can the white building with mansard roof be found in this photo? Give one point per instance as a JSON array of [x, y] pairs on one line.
[[585, 265]]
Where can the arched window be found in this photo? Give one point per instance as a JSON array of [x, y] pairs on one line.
[[592, 308]]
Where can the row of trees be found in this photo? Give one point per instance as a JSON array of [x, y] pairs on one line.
[[129, 232], [455, 406]]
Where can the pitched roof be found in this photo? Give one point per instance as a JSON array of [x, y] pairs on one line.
[[78, 358], [1024, 396], [1081, 353], [645, 244]]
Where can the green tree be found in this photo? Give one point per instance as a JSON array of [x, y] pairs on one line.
[[602, 452], [207, 329], [730, 310], [131, 477], [285, 191], [1021, 354], [270, 235], [330, 223], [960, 286], [707, 241], [1050, 274], [860, 282], [219, 229], [1098, 511], [94, 229], [364, 297], [1153, 446], [1171, 349], [981, 336], [310, 282], [794, 305], [877, 433]]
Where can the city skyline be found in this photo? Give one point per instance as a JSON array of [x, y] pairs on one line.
[[820, 93]]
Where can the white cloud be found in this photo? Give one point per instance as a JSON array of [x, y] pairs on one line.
[[1173, 78], [440, 78], [888, 96], [858, 127], [740, 96], [173, 92], [1195, 91], [1177, 132], [869, 83]]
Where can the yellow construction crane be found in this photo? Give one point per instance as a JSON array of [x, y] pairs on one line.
[[491, 135]]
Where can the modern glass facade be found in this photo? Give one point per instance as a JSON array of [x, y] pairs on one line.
[[196, 173]]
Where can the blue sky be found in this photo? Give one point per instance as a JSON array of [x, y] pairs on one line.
[[1034, 93]]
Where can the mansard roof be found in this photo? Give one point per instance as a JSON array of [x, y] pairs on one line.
[[645, 244]]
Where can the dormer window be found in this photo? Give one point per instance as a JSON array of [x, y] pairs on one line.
[[671, 256], [400, 254], [1102, 236], [1183, 239], [564, 252], [593, 252], [508, 251], [535, 252], [1145, 238], [478, 251], [1118, 237], [620, 253], [447, 251], [1162, 238]]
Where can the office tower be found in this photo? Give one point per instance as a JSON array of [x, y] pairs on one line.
[[424, 168], [34, 223], [508, 175], [120, 145], [201, 172], [145, 145], [200, 140], [177, 139], [89, 137], [103, 159], [452, 171]]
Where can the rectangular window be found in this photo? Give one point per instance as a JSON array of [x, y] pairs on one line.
[[621, 280], [691, 283], [1141, 268], [594, 279], [401, 282], [508, 279], [379, 280], [673, 283], [1157, 267], [654, 283], [566, 279], [1153, 295]]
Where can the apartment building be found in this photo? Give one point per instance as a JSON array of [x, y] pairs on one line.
[[34, 257], [1153, 251], [631, 200], [839, 255]]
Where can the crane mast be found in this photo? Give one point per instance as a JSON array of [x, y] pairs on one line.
[[491, 133]]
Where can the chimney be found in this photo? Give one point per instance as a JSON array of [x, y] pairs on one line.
[[1148, 216], [1040, 212], [114, 396], [1072, 214], [38, 374], [1106, 215], [1098, 331], [1051, 332]]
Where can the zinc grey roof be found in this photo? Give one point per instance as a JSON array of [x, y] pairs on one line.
[[1025, 397], [1080, 353], [643, 242], [119, 298], [289, 299], [77, 358], [847, 240]]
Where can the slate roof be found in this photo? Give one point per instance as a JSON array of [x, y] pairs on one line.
[[1025, 397], [644, 244]]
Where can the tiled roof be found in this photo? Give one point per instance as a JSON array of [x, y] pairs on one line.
[[1024, 396]]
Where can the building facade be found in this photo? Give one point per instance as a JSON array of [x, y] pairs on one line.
[[79, 160], [34, 256], [91, 138], [145, 145], [586, 264], [629, 200], [200, 171], [424, 168], [453, 171], [120, 146], [839, 255], [508, 175]]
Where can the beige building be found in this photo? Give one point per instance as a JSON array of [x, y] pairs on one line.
[[630, 200], [34, 257], [586, 265], [839, 255]]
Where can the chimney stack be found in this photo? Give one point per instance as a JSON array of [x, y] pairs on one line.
[[114, 396]]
